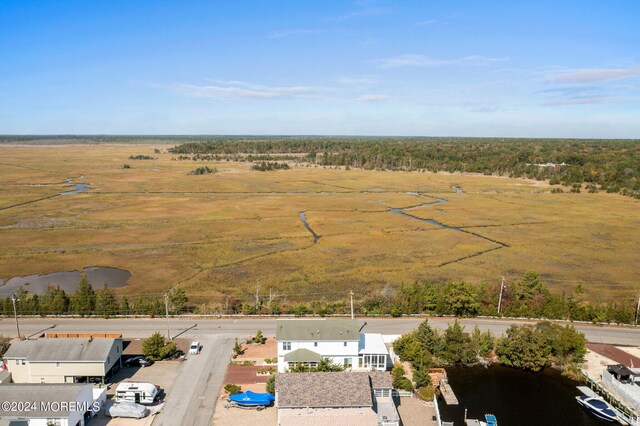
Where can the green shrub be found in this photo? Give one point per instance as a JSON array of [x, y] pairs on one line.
[[426, 393], [232, 389]]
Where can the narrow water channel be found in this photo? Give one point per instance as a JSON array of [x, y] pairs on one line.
[[303, 218]]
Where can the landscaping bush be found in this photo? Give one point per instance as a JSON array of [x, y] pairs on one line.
[[232, 389]]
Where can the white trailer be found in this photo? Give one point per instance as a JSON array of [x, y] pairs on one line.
[[140, 393]]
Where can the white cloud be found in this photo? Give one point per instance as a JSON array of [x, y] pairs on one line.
[[372, 98], [596, 74], [240, 89], [415, 60], [357, 80]]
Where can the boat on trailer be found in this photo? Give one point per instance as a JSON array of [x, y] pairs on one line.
[[598, 407], [251, 400]]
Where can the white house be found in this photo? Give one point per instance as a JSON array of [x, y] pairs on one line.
[[48, 404], [306, 342], [66, 360]]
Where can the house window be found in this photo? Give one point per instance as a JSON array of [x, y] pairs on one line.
[[108, 359], [58, 365], [348, 362], [117, 349], [315, 344], [41, 379], [22, 362], [345, 344], [286, 346]]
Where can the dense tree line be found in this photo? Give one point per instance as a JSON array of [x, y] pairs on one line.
[[529, 347], [86, 302], [608, 165], [140, 157], [528, 297]]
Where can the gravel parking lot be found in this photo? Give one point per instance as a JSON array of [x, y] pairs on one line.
[[161, 373]]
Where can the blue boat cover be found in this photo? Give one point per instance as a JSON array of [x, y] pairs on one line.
[[491, 419], [252, 398]]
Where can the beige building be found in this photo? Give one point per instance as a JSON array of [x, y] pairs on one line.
[[74, 360]]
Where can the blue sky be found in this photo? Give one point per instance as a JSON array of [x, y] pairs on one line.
[[438, 68]]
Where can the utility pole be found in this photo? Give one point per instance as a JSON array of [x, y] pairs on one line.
[[15, 313], [637, 310], [166, 311], [257, 296], [500, 298], [351, 294]]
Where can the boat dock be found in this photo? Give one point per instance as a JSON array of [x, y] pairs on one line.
[[439, 376]]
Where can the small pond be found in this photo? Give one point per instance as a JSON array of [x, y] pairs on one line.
[[68, 280]]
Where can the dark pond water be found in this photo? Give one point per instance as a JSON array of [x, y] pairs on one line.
[[516, 397], [68, 281]]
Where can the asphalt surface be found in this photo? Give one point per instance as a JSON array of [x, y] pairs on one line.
[[201, 328], [194, 393]]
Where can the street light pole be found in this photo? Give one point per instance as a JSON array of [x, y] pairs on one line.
[[166, 310], [500, 299], [15, 313]]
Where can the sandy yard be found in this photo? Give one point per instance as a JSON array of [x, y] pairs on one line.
[[414, 412], [258, 353], [241, 417]]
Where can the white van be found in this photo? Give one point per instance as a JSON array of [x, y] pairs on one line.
[[140, 393]]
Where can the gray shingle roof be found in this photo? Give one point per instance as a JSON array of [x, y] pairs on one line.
[[62, 350], [380, 379], [318, 330], [339, 389], [303, 355], [42, 392]]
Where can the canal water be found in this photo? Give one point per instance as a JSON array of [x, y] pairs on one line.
[[516, 397]]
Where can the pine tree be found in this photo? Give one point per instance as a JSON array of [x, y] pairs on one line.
[[106, 304], [60, 303], [83, 301], [177, 300]]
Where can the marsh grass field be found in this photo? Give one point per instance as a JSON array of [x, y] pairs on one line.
[[226, 233]]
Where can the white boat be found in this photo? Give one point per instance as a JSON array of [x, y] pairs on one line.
[[598, 407]]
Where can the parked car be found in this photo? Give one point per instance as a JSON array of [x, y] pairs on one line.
[[127, 409], [138, 361], [194, 349]]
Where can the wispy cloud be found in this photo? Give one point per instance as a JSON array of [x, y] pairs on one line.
[[580, 100], [372, 98], [430, 22], [357, 80], [596, 75], [290, 33], [415, 60], [240, 89]]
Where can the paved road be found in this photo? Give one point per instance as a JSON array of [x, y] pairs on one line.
[[207, 328], [195, 392]]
